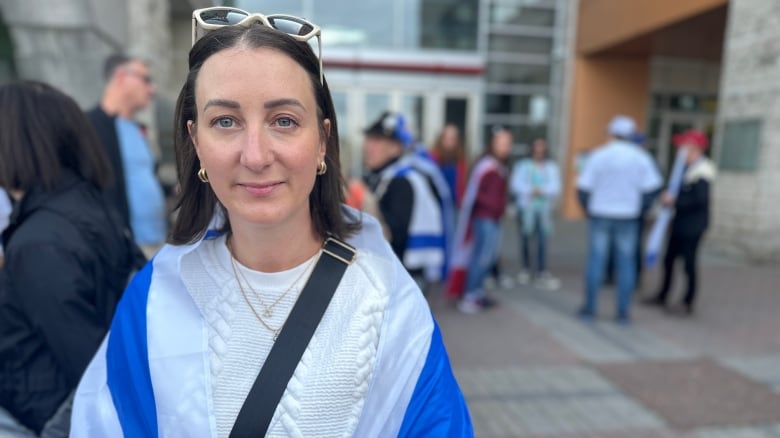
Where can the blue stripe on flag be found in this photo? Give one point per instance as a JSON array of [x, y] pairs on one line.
[[437, 407], [425, 241], [127, 365]]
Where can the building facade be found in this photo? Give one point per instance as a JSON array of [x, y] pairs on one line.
[[475, 63], [543, 68], [680, 64]]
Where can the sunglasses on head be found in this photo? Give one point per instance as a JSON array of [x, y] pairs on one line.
[[208, 19]]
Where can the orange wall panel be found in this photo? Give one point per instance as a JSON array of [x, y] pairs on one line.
[[605, 23], [603, 88]]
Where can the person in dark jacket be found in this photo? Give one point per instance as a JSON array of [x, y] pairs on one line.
[[408, 200], [691, 219], [136, 192], [68, 256]]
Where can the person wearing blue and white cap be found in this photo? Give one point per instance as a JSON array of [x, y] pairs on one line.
[[617, 179], [407, 200]]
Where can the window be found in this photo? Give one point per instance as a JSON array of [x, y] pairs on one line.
[[376, 104], [367, 23], [518, 73], [412, 109], [521, 44], [521, 15], [449, 24], [741, 146], [508, 104]]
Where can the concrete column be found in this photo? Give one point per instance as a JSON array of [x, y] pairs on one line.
[[64, 43], [746, 205]]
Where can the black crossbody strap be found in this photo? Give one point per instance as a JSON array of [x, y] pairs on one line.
[[258, 409]]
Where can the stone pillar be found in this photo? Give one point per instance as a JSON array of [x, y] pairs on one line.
[[64, 43], [746, 204]]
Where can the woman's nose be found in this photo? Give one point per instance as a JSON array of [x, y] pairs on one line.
[[257, 151]]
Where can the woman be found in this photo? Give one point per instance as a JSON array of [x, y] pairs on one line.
[[67, 259], [536, 185], [691, 219], [449, 153], [261, 193], [478, 235]]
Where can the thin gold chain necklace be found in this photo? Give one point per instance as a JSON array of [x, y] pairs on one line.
[[268, 311]]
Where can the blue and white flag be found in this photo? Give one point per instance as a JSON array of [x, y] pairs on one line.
[[656, 237], [151, 377]]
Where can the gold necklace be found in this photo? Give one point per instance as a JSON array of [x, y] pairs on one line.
[[268, 312]]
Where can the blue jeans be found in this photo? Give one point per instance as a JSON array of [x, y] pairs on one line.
[[525, 245], [603, 234], [487, 235]]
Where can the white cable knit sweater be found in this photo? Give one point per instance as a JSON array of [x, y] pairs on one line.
[[325, 395]]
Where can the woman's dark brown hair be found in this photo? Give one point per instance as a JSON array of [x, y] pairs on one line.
[[43, 134], [446, 155], [197, 202]]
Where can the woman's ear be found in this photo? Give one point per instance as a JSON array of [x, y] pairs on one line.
[[192, 130], [324, 140]]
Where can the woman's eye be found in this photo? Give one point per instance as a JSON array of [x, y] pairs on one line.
[[285, 122], [225, 122]]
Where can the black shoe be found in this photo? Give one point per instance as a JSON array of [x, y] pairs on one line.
[[487, 302], [586, 315], [653, 301], [681, 309], [623, 320]]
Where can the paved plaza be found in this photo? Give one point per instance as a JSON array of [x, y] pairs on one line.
[[530, 368]]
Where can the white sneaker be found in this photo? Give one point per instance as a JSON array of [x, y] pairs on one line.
[[469, 306], [524, 277], [506, 282], [547, 281]]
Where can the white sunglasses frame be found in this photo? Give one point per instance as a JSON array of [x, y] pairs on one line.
[[197, 22]]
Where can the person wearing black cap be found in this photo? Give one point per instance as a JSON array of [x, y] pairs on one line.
[[407, 201]]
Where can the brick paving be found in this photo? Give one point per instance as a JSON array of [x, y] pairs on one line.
[[530, 368]]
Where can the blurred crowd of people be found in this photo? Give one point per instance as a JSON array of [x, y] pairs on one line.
[[82, 211]]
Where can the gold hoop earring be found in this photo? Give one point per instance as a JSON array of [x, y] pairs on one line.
[[322, 168], [202, 175]]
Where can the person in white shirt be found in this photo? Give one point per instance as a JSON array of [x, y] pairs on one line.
[[535, 185], [616, 181]]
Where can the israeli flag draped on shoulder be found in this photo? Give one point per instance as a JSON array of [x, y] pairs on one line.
[[462, 240], [426, 245], [151, 378]]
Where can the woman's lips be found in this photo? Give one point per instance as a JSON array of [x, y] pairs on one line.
[[261, 189]]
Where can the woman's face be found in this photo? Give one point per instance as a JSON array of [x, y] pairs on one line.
[[258, 136], [502, 145], [539, 149], [694, 153], [450, 137]]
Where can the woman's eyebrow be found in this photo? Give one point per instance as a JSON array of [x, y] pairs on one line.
[[222, 102], [282, 102]]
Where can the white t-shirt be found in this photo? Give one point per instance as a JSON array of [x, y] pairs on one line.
[[616, 175], [5, 213]]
